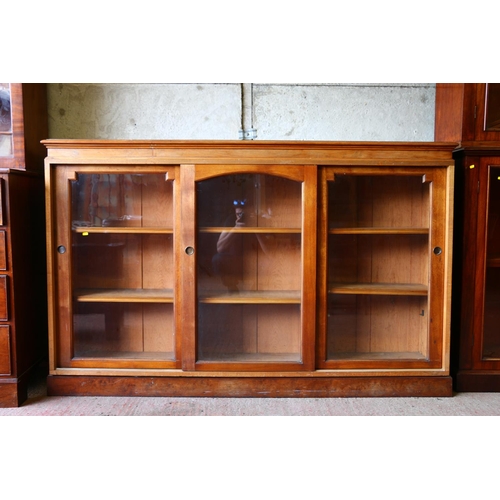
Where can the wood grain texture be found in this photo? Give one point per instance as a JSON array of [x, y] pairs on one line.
[[5, 357], [461, 113], [23, 309], [392, 289], [288, 153], [30, 126], [235, 387], [23, 291], [449, 111], [476, 287]]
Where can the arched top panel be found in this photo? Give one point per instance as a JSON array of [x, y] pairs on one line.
[[292, 172]]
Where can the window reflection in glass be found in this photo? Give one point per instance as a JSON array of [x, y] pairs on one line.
[[491, 333], [5, 120], [5, 115], [492, 107]]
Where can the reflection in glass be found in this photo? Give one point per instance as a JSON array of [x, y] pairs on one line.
[[378, 201], [122, 200], [378, 268], [491, 330], [112, 330], [123, 267], [5, 120], [249, 268], [5, 113], [492, 107], [371, 327]]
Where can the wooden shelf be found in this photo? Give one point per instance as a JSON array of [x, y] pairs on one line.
[[121, 355], [123, 230], [165, 296], [369, 356], [253, 357], [378, 289], [250, 297], [252, 230], [243, 316], [378, 230]]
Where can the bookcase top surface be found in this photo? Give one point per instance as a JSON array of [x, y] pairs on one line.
[[245, 152]]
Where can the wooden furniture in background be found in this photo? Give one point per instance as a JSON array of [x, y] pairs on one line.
[[476, 330], [23, 311], [469, 113], [280, 269]]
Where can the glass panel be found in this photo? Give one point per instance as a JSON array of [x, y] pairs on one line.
[[122, 266], [127, 331], [378, 268], [5, 120], [371, 327], [249, 269], [378, 201], [248, 332], [492, 107], [122, 200], [491, 333]]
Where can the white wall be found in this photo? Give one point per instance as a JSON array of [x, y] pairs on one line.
[[366, 112]]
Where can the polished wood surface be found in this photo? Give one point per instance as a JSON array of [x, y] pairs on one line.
[[30, 126], [460, 113], [388, 280], [23, 300], [476, 358], [245, 387], [5, 363], [223, 153], [23, 295], [150, 307]]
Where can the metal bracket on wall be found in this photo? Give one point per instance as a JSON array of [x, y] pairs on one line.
[[247, 131], [248, 134]]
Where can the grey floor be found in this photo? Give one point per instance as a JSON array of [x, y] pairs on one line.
[[461, 404], [287, 458]]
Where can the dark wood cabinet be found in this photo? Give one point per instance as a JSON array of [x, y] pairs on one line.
[[285, 269], [23, 310], [476, 329], [467, 112], [23, 124]]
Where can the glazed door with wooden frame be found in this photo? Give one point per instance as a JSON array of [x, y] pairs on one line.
[[487, 112], [249, 267], [114, 254], [486, 320], [382, 264], [6, 131]]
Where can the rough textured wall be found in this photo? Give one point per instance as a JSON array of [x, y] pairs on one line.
[[355, 112], [144, 111], [367, 112]]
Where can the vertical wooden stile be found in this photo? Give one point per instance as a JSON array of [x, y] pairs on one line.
[[186, 268], [309, 237]]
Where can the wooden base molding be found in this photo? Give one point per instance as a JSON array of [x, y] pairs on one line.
[[477, 381], [235, 387], [270, 269], [13, 392]]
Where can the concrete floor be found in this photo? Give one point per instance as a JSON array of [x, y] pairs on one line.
[[288, 458], [461, 404]]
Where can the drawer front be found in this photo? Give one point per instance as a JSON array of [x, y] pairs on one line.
[[4, 315], [5, 364], [3, 251]]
